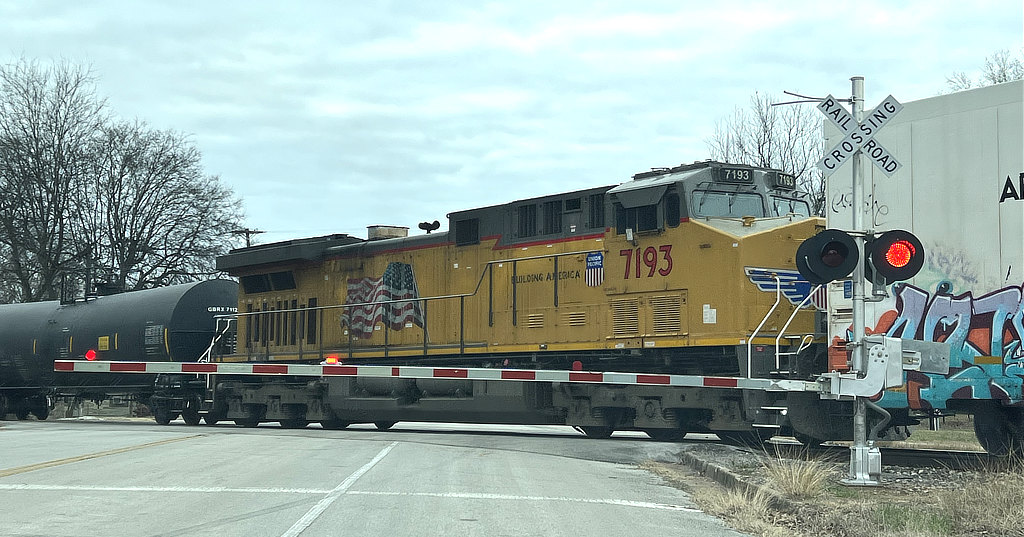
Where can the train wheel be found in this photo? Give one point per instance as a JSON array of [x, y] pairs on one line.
[[41, 410], [209, 419], [293, 424], [740, 438], [162, 416], [384, 425], [247, 423], [807, 440], [190, 416], [666, 435], [998, 430], [335, 425], [4, 406], [21, 410], [597, 431]]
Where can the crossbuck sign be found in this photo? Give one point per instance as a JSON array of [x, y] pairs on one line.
[[859, 136]]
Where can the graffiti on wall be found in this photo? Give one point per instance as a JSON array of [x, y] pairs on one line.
[[984, 334]]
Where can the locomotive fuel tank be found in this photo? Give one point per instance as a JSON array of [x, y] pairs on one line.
[[174, 323]]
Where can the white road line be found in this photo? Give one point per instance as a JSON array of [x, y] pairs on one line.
[[198, 490], [321, 506], [507, 497]]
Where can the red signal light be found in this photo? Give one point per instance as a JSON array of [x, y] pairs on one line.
[[893, 256], [90, 355], [900, 253], [332, 359]]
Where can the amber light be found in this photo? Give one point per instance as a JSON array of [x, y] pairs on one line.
[[899, 253]]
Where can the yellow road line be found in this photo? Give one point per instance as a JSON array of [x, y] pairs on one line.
[[69, 460]]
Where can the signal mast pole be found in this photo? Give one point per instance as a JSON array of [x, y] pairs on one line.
[[861, 455]]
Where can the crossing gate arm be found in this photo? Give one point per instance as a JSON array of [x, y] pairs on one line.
[[417, 372]]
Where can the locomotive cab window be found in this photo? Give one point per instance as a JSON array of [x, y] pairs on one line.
[[672, 209], [726, 204], [639, 219]]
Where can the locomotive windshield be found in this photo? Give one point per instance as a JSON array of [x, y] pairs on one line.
[[726, 204], [784, 206]]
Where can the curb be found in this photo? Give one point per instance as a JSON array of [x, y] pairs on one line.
[[725, 477]]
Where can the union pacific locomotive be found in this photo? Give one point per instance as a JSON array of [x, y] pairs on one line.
[[672, 272]]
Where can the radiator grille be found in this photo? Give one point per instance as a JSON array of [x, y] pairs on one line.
[[574, 318], [535, 320], [666, 315], [625, 318]]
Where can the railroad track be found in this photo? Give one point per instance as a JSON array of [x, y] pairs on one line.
[[902, 456]]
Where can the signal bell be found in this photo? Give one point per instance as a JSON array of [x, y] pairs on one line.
[[827, 256], [893, 256]]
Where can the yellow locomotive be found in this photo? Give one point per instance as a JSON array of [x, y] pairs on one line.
[[671, 272]]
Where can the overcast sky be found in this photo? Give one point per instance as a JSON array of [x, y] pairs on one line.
[[326, 117]]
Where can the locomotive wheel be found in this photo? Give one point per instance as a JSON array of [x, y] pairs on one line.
[[293, 424], [247, 423], [190, 416], [384, 425], [21, 410], [163, 416], [210, 419], [666, 435], [998, 431], [335, 425], [597, 431], [740, 438], [3, 406]]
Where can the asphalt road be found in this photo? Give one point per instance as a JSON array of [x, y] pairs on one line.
[[73, 478]]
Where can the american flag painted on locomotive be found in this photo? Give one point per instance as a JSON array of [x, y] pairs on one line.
[[397, 283], [794, 287]]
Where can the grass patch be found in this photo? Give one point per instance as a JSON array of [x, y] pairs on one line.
[[799, 479], [913, 520]]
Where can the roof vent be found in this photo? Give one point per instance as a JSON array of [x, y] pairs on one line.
[[374, 233]]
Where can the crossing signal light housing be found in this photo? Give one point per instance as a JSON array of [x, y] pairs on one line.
[[828, 256], [893, 256]]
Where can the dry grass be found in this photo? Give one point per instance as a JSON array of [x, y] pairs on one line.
[[750, 513], [989, 502], [799, 479]]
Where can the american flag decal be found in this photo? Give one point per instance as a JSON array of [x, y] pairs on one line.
[[595, 269], [375, 295]]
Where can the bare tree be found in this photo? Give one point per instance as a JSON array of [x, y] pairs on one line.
[[159, 218], [787, 138], [1000, 67], [48, 116], [84, 196]]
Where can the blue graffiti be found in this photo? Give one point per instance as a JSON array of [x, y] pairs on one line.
[[984, 335]]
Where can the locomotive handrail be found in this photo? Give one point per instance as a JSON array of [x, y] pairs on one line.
[[488, 270], [750, 341], [785, 327]]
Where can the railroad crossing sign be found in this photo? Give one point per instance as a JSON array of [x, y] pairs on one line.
[[859, 136]]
